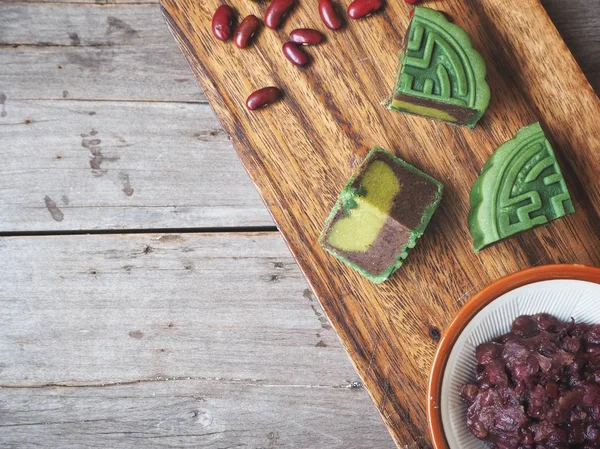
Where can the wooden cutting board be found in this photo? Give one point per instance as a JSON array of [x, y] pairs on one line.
[[301, 151]]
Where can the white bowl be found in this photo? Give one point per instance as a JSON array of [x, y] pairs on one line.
[[565, 299]]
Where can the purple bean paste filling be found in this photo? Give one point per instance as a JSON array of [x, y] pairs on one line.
[[538, 387]]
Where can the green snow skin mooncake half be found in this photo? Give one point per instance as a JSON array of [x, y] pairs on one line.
[[441, 75], [380, 214], [520, 187]]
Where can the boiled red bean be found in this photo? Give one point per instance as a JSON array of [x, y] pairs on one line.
[[306, 36], [246, 31], [362, 8], [222, 22], [276, 12], [295, 54], [329, 15], [263, 97]]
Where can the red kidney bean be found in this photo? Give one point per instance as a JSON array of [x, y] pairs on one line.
[[306, 36], [222, 22], [276, 12], [329, 15], [412, 2], [263, 97], [295, 54], [362, 8], [246, 31]]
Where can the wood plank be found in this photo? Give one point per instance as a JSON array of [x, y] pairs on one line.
[[91, 2], [73, 165], [47, 33], [120, 308], [41, 432], [578, 22], [327, 123], [189, 340], [116, 52], [191, 414], [97, 59]]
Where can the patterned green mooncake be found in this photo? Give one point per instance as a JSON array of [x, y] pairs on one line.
[[520, 187], [441, 75]]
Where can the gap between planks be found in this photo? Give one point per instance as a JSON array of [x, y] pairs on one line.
[[205, 230]]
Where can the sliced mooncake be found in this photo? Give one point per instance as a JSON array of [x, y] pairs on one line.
[[441, 75], [380, 214]]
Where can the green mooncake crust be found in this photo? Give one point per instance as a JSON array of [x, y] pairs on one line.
[[372, 193], [441, 75], [520, 187]]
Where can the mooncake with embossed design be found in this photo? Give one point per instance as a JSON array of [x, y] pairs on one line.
[[441, 75], [520, 187]]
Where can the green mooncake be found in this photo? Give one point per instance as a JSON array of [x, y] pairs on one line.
[[380, 214], [520, 187], [441, 75]]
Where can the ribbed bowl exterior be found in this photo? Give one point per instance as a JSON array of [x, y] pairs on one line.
[[564, 299]]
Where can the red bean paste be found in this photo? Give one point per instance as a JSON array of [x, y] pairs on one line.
[[538, 387]]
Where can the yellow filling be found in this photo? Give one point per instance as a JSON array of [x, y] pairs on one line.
[[358, 230], [423, 110]]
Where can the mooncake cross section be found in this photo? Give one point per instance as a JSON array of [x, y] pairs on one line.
[[380, 214]]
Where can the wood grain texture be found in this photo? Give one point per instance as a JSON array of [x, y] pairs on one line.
[[165, 341], [113, 52], [34, 36], [206, 414], [301, 151], [166, 412], [577, 21], [102, 3], [72, 165], [97, 57]]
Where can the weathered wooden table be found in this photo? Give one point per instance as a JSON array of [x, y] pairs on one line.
[[146, 297]]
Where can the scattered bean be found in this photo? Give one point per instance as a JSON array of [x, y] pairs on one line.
[[263, 97], [295, 54], [362, 8], [306, 36], [329, 15], [222, 22], [276, 12], [246, 31], [412, 2]]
